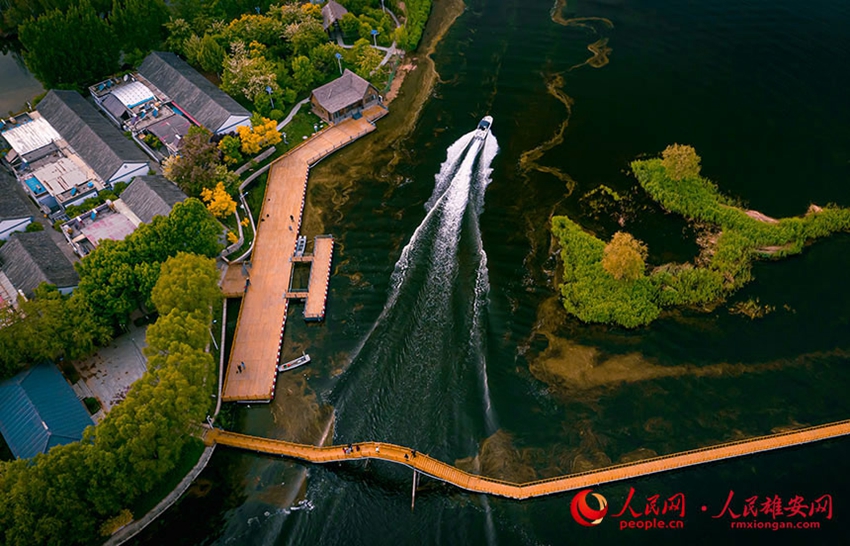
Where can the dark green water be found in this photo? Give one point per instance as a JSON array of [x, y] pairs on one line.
[[760, 89], [17, 85]]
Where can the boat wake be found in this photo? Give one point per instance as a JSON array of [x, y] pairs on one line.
[[428, 344]]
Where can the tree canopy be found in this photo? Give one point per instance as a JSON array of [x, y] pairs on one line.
[[199, 165], [624, 257], [64, 497], [680, 161], [70, 49]]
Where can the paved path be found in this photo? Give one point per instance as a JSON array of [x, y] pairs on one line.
[[480, 484], [292, 113], [262, 317], [136, 527]]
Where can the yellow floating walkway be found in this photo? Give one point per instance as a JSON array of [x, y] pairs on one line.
[[480, 484]]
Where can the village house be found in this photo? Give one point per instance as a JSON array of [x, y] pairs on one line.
[[145, 198], [65, 152], [15, 212], [112, 156], [29, 259], [39, 410], [136, 105], [192, 94], [344, 97], [332, 13]]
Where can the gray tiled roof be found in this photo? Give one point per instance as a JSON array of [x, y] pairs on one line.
[[96, 140], [331, 13], [149, 196], [12, 203], [191, 91], [39, 410], [28, 259], [343, 91]]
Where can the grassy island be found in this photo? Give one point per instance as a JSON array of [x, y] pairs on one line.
[[608, 282]]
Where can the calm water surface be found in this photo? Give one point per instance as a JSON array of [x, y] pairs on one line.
[[440, 315], [17, 85]]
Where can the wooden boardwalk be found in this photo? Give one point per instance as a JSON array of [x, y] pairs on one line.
[[320, 276], [262, 317], [480, 484], [233, 281]]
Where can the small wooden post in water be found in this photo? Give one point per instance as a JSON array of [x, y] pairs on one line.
[[413, 491]]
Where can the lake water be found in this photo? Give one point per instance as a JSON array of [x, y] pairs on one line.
[[17, 85], [442, 330]]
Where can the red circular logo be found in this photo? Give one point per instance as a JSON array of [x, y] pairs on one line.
[[583, 513]]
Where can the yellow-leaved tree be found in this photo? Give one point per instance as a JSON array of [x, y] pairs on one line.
[[624, 257], [263, 134], [680, 161], [218, 201]]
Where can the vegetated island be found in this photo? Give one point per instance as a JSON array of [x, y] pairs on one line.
[[608, 282]]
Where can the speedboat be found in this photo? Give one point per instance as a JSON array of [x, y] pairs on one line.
[[483, 127]]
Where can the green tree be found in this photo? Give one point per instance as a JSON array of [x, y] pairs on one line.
[[305, 36], [210, 54], [303, 73], [624, 257], [183, 279], [366, 58], [195, 168], [63, 498], [350, 25], [15, 12], [324, 59], [70, 49], [229, 147], [249, 28], [179, 31], [247, 72], [139, 24]]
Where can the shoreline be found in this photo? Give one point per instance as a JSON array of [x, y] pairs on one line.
[[333, 180], [414, 81]]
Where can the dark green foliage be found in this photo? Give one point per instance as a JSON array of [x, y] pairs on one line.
[[34, 226], [417, 16], [49, 326], [70, 49], [63, 497], [199, 164], [118, 276], [138, 24], [70, 44], [92, 405], [593, 295], [16, 12]]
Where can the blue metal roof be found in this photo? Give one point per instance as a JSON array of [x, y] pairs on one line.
[[39, 410]]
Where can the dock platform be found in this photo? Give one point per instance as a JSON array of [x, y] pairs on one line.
[[257, 342], [320, 276]]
